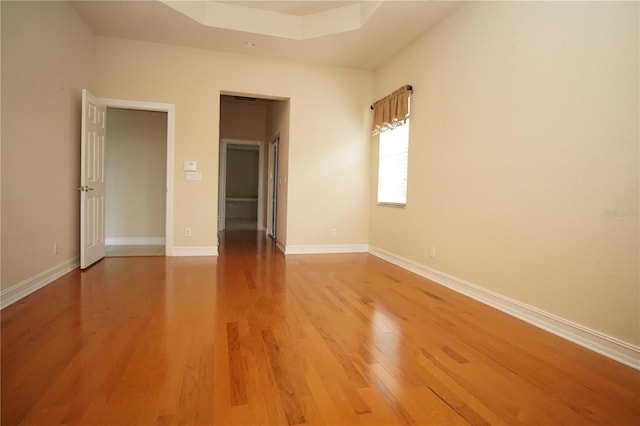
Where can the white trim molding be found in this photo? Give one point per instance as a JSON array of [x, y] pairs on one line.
[[195, 251], [134, 241], [30, 285], [596, 341], [326, 249]]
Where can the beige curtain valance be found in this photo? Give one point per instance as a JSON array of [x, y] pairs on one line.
[[392, 110]]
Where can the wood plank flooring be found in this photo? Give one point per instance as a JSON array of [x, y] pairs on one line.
[[254, 338]]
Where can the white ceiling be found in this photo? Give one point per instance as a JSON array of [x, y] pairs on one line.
[[352, 34]]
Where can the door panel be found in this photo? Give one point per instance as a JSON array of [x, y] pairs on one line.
[[272, 201], [92, 183]]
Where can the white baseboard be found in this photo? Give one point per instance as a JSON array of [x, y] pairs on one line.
[[194, 251], [281, 247], [28, 286], [134, 241], [596, 341], [326, 249]]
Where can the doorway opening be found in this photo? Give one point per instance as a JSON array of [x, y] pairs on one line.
[[92, 173], [136, 173], [241, 189], [253, 127]]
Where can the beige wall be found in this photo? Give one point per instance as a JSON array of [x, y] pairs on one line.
[[242, 119], [47, 59], [328, 152], [136, 170], [524, 134]]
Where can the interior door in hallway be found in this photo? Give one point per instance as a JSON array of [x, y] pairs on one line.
[[272, 200], [92, 183]]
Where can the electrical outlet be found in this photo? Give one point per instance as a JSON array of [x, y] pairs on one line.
[[187, 232], [433, 252], [55, 247], [334, 232]]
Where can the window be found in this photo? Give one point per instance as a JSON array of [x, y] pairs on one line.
[[393, 158], [391, 123]]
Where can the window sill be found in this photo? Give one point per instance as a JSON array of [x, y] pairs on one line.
[[396, 205]]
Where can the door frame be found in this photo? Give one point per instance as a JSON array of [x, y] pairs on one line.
[[170, 109], [272, 179], [222, 180]]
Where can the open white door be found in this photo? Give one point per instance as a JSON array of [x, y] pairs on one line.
[[92, 209]]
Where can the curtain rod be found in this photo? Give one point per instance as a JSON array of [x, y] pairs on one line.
[[409, 88]]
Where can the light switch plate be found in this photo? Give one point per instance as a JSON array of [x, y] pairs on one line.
[[194, 175], [190, 166]]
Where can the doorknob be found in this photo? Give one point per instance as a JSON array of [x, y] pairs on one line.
[[85, 188]]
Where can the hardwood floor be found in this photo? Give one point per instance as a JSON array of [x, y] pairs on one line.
[[254, 338]]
